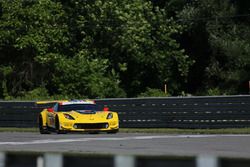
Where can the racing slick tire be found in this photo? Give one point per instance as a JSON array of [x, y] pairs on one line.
[[57, 125], [113, 131], [42, 129]]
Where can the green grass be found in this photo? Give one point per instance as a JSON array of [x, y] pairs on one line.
[[19, 129], [155, 130], [188, 131]]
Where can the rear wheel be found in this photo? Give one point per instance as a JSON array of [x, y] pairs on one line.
[[42, 129]]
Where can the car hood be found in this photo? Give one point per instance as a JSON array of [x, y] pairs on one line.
[[97, 115]]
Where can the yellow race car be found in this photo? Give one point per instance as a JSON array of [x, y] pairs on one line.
[[77, 116]]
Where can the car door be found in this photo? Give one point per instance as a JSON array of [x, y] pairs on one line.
[[51, 117]]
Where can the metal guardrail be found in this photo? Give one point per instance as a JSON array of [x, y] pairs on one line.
[[19, 114], [183, 112], [31, 159], [169, 112]]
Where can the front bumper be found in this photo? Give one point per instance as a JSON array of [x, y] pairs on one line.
[[89, 127]]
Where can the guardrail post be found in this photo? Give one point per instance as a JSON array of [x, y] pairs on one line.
[[124, 161], [55, 160], [206, 161], [40, 161], [2, 159]]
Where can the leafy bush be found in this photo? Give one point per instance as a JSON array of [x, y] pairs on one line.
[[214, 91], [153, 93], [82, 76], [40, 93]]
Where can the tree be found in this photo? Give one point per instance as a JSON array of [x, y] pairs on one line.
[[137, 39], [82, 76], [221, 43], [98, 48], [30, 33]]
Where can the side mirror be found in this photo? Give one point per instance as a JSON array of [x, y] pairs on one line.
[[105, 109], [50, 109]]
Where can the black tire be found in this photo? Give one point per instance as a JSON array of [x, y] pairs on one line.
[[57, 125], [42, 129], [93, 132], [113, 131]]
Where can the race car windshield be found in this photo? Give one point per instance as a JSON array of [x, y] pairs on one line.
[[78, 107]]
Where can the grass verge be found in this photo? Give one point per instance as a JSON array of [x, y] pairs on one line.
[[155, 130], [19, 129], [187, 131]]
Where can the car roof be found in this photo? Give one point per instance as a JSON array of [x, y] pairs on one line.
[[77, 102]]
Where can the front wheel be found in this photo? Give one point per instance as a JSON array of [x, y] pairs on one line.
[[57, 125], [113, 131], [42, 129]]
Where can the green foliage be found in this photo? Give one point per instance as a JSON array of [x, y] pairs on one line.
[[29, 32], [35, 94], [81, 76], [230, 62], [5, 72], [153, 93], [225, 58], [136, 38], [98, 49], [213, 92]]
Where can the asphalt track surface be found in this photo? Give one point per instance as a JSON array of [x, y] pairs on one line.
[[129, 143]]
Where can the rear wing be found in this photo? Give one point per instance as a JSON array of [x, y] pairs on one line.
[[51, 101]]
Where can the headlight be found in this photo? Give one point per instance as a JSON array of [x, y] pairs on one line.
[[109, 116], [67, 116]]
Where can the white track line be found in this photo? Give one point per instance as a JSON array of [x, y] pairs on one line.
[[48, 141]]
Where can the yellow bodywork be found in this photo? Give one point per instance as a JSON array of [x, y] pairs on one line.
[[51, 101], [95, 122]]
